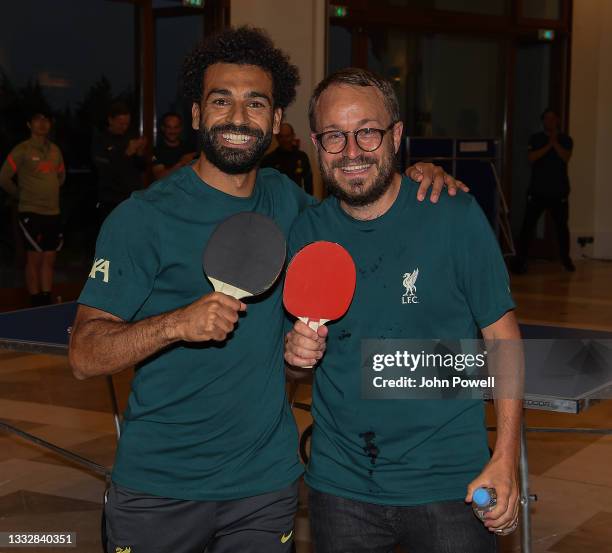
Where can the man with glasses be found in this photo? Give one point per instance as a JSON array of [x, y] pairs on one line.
[[387, 473]]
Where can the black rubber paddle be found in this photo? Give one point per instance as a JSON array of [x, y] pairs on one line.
[[244, 255]]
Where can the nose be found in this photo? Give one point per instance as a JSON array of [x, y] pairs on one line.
[[352, 150], [238, 114]]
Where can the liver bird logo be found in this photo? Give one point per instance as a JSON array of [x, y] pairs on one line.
[[409, 282]]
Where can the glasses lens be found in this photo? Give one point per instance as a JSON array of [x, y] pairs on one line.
[[369, 139], [333, 142]]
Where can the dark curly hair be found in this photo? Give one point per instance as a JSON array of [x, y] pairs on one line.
[[242, 46]]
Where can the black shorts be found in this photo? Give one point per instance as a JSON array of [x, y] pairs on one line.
[[143, 523], [42, 233]]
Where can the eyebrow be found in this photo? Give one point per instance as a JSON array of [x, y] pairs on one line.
[[255, 94], [221, 91], [359, 123], [251, 94]]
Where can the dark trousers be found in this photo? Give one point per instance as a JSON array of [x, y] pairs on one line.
[[340, 525], [143, 523], [559, 209]]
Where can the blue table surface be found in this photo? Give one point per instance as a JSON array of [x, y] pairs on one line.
[[44, 325], [50, 325]]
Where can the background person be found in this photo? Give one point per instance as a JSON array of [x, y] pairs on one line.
[[549, 188], [118, 158], [38, 167], [289, 159], [171, 152]]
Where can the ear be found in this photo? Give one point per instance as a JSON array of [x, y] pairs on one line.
[[313, 138], [29, 125], [195, 116], [397, 130], [277, 117]]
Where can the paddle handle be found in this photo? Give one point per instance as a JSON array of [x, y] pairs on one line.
[[229, 289], [314, 324]]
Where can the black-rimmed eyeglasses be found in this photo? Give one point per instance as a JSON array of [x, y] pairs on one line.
[[368, 139]]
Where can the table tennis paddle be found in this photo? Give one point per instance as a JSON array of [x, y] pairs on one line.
[[244, 255], [320, 283]]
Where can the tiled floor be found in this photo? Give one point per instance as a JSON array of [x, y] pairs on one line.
[[39, 490]]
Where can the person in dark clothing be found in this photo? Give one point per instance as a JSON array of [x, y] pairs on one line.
[[549, 152], [171, 152], [289, 160], [118, 158]]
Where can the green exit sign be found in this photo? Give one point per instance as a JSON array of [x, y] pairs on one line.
[[546, 34], [338, 11], [193, 3]]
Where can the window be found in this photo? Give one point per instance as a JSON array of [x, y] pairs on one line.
[[446, 85]]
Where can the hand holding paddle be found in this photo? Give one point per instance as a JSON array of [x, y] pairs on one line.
[[243, 258], [303, 346], [212, 317]]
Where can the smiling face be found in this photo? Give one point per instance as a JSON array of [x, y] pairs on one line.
[[355, 176], [236, 117]]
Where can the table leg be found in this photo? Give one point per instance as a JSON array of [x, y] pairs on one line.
[[525, 498], [113, 396]]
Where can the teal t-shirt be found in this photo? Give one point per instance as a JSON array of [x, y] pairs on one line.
[[206, 421], [403, 452]]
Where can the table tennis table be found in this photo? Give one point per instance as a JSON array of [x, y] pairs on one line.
[[46, 330]]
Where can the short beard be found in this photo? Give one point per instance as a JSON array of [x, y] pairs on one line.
[[233, 161], [358, 196]]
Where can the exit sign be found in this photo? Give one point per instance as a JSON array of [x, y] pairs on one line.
[[338, 11], [546, 34], [193, 3]]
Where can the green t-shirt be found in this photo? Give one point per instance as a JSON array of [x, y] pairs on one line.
[[403, 452], [204, 421]]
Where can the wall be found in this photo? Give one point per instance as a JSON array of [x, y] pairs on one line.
[[591, 125], [298, 28]]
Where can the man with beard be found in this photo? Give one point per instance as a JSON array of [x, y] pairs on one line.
[[171, 151], [207, 458], [387, 473]]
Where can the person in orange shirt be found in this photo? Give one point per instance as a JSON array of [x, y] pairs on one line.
[[33, 173]]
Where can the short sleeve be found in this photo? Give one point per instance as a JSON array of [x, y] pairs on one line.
[[60, 161], [126, 262], [481, 271], [15, 158]]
